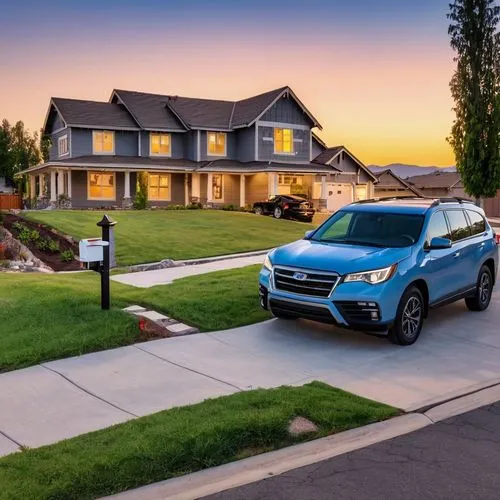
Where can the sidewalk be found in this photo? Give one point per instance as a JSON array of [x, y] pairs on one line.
[[147, 279], [457, 353]]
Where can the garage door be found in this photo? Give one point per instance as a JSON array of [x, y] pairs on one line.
[[339, 195]]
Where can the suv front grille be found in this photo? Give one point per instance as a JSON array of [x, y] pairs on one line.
[[312, 284]]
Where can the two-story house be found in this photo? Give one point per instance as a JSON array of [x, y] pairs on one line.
[[212, 151]]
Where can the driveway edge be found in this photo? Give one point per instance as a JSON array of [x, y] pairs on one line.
[[231, 475]]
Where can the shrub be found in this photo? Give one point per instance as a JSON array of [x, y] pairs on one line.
[[194, 206], [141, 198], [67, 255], [53, 246], [42, 244], [34, 235], [230, 208]]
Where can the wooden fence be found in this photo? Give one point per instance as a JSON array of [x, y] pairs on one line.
[[10, 201], [492, 206]]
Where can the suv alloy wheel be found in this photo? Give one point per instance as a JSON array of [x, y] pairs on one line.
[[481, 300], [409, 318]]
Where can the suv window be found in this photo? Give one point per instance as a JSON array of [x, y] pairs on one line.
[[438, 227], [478, 224], [458, 224]]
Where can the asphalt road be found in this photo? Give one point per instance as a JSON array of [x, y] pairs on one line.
[[458, 458]]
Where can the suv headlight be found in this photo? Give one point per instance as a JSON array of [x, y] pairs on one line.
[[267, 263], [372, 277]]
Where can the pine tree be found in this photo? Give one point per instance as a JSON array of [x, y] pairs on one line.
[[475, 88]]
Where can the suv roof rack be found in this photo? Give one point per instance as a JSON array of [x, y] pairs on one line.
[[451, 199], [388, 198]]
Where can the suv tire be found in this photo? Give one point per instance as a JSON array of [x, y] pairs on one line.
[[409, 318], [484, 286]]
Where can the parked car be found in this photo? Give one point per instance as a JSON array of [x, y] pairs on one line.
[[286, 205], [379, 266]]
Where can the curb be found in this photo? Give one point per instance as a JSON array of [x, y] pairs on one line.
[[259, 467], [207, 260]]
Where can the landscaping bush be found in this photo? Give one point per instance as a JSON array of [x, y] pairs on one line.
[[67, 255], [141, 198], [230, 208], [42, 244], [194, 206], [53, 246]]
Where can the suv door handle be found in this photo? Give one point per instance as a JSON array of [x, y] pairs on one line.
[[456, 254]]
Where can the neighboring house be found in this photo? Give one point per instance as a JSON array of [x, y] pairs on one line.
[[390, 184], [439, 184], [5, 186], [212, 151]]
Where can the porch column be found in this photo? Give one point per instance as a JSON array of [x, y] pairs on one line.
[[53, 195], [60, 182], [324, 194], [210, 188], [70, 192], [195, 186], [126, 193], [272, 186], [242, 191], [41, 179], [186, 189], [32, 182]]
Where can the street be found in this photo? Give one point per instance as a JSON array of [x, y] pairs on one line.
[[455, 458]]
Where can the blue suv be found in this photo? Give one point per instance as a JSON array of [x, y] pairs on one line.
[[379, 265]]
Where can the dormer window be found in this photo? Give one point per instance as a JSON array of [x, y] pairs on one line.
[[159, 144], [62, 146], [216, 143], [283, 140], [103, 142]]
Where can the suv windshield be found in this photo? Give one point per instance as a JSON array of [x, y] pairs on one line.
[[376, 229]]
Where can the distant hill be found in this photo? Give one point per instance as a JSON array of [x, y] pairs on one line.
[[405, 171]]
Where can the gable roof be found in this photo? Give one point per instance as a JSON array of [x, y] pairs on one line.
[[318, 140], [149, 110], [170, 112], [90, 114], [384, 184], [437, 179], [329, 154]]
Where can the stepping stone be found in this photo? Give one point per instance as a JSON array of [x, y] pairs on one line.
[[134, 309], [152, 315], [179, 328]]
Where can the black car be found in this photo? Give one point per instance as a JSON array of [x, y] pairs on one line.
[[285, 205]]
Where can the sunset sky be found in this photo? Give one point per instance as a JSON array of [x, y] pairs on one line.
[[374, 72]]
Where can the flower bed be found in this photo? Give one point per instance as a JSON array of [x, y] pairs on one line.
[[54, 249]]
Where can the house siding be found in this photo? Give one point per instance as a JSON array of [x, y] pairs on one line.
[[53, 150], [125, 142], [286, 110], [230, 146], [245, 144], [256, 188], [301, 145], [190, 144], [316, 149], [58, 123]]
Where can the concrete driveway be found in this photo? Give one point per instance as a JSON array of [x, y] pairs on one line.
[[458, 352]]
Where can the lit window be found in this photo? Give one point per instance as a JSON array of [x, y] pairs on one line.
[[101, 186], [160, 144], [288, 180], [62, 145], [216, 143], [103, 142], [283, 140], [217, 187], [159, 187]]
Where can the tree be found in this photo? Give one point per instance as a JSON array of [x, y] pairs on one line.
[[19, 149], [45, 144], [475, 134]]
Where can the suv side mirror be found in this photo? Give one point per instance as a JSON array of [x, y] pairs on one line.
[[309, 233], [439, 243]]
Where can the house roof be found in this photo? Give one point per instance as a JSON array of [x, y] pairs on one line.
[[437, 179], [261, 166], [329, 154], [384, 181], [248, 110], [81, 113]]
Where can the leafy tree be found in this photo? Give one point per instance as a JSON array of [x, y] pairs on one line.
[[141, 197], [18, 149], [475, 88], [45, 144]]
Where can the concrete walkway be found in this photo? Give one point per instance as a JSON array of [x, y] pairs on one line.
[[458, 352], [147, 279]]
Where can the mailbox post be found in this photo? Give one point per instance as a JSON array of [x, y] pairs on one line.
[[105, 224]]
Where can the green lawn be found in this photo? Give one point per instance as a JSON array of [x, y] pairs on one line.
[[51, 316], [180, 441], [148, 236]]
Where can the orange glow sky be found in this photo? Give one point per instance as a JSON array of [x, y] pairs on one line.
[[377, 85]]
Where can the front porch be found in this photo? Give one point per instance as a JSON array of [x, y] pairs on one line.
[[115, 188]]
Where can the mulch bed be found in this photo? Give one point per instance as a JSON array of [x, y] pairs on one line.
[[53, 260]]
